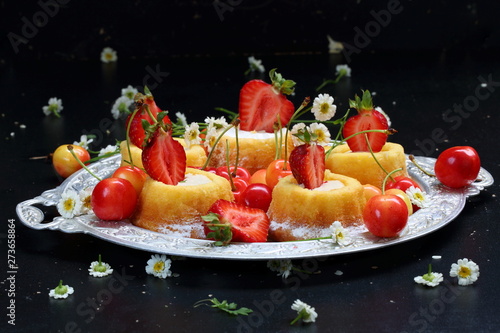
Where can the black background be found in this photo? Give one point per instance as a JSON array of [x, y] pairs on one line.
[[429, 60]]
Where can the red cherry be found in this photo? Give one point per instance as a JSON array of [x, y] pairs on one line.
[[457, 166]]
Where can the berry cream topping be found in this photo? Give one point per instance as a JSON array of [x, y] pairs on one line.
[[194, 179]]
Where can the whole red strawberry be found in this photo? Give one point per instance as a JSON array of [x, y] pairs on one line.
[[367, 119], [228, 221], [164, 158], [145, 105], [262, 104], [307, 163]]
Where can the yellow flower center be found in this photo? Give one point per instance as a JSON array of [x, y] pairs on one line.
[[418, 196], [87, 202], [193, 135], [69, 204], [109, 56], [325, 107], [159, 266], [464, 272], [320, 136]]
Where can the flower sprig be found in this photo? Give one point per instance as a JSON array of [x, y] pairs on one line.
[[430, 279], [341, 71], [231, 308], [61, 291], [99, 268], [304, 311]]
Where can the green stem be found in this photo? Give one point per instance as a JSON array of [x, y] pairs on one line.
[[215, 145], [229, 173], [299, 112], [70, 148], [374, 157], [296, 319], [387, 177], [412, 159], [129, 125]]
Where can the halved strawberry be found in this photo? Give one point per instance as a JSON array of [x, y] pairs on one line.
[[262, 103], [231, 222], [136, 133], [366, 119], [307, 162], [164, 158]]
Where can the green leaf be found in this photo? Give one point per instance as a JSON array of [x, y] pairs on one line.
[[161, 115], [280, 84], [231, 308]]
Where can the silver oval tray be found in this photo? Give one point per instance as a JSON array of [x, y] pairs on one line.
[[446, 204]]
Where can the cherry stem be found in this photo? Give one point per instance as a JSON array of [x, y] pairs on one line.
[[129, 125], [299, 112], [229, 173], [374, 157], [412, 159], [209, 157], [387, 177], [70, 148], [237, 158]]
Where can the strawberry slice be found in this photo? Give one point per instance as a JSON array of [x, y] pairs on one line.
[[307, 162], [367, 119], [136, 132], [231, 222], [261, 103], [164, 158]]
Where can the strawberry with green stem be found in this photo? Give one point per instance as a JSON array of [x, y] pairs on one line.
[[369, 121], [307, 162], [146, 110], [262, 104], [228, 221], [163, 157]]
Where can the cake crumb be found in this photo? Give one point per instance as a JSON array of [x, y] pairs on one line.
[[338, 272]]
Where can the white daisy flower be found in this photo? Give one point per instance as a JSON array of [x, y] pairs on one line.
[[343, 70], [61, 291], [466, 270], [379, 109], [334, 47], [339, 234], [255, 65], [84, 142], [430, 279], [99, 268], [108, 55], [321, 132], [107, 150], [211, 138], [159, 266], [323, 107], [417, 197], [54, 107], [129, 92], [192, 135], [283, 267], [304, 311], [219, 123], [121, 106], [298, 129], [86, 200], [181, 117], [69, 205]]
